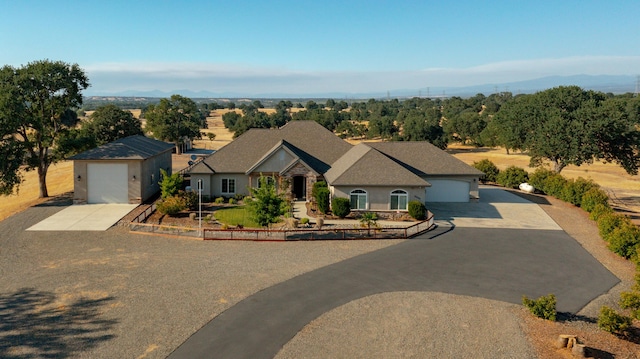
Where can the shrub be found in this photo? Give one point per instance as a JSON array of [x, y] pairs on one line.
[[304, 221], [512, 177], [341, 206], [190, 199], [631, 300], [489, 168], [610, 321], [543, 307], [599, 210], [417, 210], [317, 186], [554, 186], [322, 199], [592, 198], [171, 205], [232, 201], [607, 222], [219, 200], [574, 190], [624, 239], [538, 179]]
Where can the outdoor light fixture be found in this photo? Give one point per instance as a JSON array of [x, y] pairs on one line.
[[134, 177], [79, 178]]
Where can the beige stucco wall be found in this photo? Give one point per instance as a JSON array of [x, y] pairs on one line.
[[140, 188], [213, 185], [80, 194], [275, 163], [379, 198]]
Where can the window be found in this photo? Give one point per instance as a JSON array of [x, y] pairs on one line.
[[228, 185], [358, 199], [270, 181], [399, 199]]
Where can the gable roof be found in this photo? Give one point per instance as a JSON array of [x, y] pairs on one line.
[[312, 143], [286, 146], [135, 147], [425, 159], [365, 166]]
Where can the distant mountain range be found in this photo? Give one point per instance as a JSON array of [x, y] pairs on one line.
[[605, 83]]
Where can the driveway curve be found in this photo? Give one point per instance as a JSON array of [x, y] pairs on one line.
[[486, 261]]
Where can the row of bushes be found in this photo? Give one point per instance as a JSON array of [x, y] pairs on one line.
[[621, 235]]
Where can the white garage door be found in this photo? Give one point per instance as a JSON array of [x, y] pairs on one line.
[[447, 191], [107, 183]]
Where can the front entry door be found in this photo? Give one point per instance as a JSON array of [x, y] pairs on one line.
[[299, 190]]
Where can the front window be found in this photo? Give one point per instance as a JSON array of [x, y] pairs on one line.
[[358, 199], [399, 199], [228, 185], [269, 180]]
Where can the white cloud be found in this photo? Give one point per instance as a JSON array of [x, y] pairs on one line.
[[252, 80]]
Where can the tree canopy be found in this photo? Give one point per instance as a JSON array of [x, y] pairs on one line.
[[109, 123], [569, 126], [175, 120], [37, 109]]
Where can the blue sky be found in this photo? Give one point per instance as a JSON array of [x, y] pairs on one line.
[[307, 47]]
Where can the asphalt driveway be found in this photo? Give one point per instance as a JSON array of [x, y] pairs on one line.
[[477, 254]]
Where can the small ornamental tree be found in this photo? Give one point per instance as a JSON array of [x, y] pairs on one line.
[[266, 205], [170, 185], [341, 206], [489, 168], [368, 219]]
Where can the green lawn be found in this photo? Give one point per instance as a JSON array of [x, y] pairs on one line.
[[234, 216]]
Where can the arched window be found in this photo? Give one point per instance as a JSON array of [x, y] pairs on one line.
[[399, 199], [358, 199]]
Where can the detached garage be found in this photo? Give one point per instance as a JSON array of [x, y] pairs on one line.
[[123, 171]]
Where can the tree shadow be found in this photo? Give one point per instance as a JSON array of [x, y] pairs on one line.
[[62, 200], [37, 324]]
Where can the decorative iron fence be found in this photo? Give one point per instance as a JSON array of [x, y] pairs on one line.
[[299, 234]]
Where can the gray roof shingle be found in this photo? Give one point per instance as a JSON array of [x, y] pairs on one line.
[[365, 166], [135, 147], [424, 159], [314, 144]]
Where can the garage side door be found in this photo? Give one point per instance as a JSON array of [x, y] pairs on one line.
[[107, 183], [447, 191]]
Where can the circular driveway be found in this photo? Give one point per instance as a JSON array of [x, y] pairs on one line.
[[501, 249]]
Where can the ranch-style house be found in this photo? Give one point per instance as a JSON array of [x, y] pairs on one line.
[[375, 176]]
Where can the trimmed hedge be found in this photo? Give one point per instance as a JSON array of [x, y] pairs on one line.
[[624, 239], [341, 206], [417, 210], [512, 177], [594, 197], [322, 199]]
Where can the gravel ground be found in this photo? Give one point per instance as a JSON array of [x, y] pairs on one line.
[[116, 295]]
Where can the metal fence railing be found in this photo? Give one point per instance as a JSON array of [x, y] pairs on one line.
[[299, 234]]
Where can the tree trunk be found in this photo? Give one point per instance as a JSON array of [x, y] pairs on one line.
[[42, 178], [178, 148], [558, 166]]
